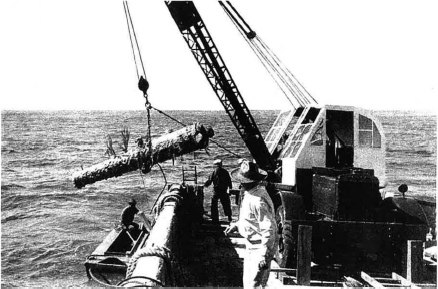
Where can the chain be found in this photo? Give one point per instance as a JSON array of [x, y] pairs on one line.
[[149, 135]]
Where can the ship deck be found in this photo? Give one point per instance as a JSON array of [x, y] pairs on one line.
[[212, 258]]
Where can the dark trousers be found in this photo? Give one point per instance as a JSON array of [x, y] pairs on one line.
[[225, 201], [134, 224]]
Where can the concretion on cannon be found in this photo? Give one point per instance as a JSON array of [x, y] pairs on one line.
[[166, 147]]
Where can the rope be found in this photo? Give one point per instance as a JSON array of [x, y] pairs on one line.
[[162, 190], [159, 202], [224, 148], [161, 252], [137, 280], [165, 114], [181, 123]]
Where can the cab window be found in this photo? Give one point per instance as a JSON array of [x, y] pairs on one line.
[[369, 135], [317, 136]]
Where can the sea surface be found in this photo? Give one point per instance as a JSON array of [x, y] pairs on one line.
[[48, 227]]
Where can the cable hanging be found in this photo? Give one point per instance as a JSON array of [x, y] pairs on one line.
[[181, 123], [132, 33], [143, 84], [289, 85]]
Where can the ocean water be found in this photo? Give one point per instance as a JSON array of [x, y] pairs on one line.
[[48, 227]]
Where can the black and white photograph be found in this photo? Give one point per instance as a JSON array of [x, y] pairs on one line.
[[218, 143]]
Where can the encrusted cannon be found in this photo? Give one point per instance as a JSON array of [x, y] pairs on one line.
[[186, 140]]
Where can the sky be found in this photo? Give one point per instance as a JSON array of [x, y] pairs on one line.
[[76, 55]]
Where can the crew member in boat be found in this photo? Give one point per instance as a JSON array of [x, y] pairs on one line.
[[221, 182], [128, 215], [256, 224]]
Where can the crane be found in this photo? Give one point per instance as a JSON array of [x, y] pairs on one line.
[[300, 99], [201, 44]]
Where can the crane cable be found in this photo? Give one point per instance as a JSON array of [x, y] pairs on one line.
[[300, 88], [264, 55], [181, 123], [289, 85], [259, 55], [268, 58], [131, 27], [144, 84], [287, 80], [263, 59]]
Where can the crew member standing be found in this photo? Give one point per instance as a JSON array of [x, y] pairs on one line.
[[221, 182], [256, 224], [128, 215]]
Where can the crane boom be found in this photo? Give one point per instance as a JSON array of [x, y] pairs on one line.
[[204, 50]]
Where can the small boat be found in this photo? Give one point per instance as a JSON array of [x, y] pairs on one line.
[[112, 255]]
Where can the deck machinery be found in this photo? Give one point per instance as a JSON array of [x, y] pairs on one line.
[[331, 159]]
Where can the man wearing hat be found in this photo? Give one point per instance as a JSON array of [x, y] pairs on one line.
[[256, 224], [128, 215], [221, 182]]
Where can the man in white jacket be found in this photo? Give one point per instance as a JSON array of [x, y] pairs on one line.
[[256, 224]]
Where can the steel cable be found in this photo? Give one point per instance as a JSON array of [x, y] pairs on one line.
[[268, 58], [181, 123]]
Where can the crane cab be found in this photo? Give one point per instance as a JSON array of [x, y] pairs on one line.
[[336, 137]]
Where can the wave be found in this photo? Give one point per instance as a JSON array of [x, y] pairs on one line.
[[412, 151], [9, 151], [11, 186], [28, 214]]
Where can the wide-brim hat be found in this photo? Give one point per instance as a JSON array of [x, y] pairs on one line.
[[217, 162], [248, 172], [132, 202]]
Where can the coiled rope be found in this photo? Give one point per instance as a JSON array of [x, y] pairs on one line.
[[154, 251], [159, 202]]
